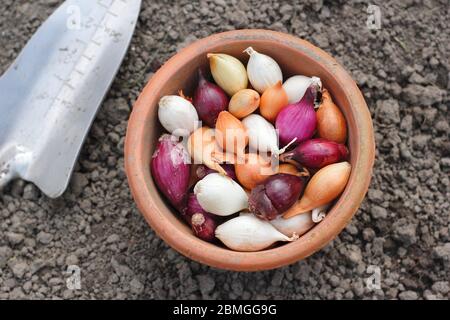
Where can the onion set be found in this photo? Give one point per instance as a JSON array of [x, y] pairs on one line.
[[209, 100], [203, 149], [248, 233], [298, 121], [220, 195], [325, 186], [275, 195], [295, 225], [170, 168], [231, 134], [261, 134], [330, 120], [253, 170], [228, 72], [177, 115], [243, 103], [316, 153], [203, 224], [263, 71], [296, 86], [273, 100]]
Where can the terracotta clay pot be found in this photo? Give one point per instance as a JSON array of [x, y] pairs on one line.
[[295, 56]]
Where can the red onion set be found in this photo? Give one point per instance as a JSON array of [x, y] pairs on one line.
[[226, 182], [209, 100]]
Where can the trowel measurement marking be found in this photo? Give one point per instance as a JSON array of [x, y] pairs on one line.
[[86, 57], [98, 44], [117, 7], [67, 84], [79, 72], [80, 41], [106, 6], [57, 76], [83, 66], [112, 13]]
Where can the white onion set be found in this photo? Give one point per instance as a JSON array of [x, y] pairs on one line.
[[296, 225], [262, 136], [177, 115], [295, 87], [263, 71], [220, 195], [248, 233]]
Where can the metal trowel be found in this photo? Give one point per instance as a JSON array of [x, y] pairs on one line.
[[50, 94]]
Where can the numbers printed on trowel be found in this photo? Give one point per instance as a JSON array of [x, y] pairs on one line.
[[105, 31], [74, 20]]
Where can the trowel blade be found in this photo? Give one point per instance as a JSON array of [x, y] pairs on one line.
[[50, 94]]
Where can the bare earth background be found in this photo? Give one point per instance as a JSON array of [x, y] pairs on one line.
[[402, 227]]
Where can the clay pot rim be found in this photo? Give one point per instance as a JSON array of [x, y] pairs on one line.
[[223, 258]]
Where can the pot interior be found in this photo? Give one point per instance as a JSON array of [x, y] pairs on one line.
[[292, 62]]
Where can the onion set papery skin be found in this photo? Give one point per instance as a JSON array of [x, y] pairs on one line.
[[248, 233], [231, 134], [192, 207], [295, 170], [318, 214], [273, 100], [177, 115], [316, 153], [325, 186], [203, 149], [288, 169], [202, 171], [170, 168], [331, 123], [253, 170], [296, 225], [220, 195], [275, 195], [243, 103], [296, 86], [209, 100], [203, 224], [228, 72], [263, 71], [297, 121]]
